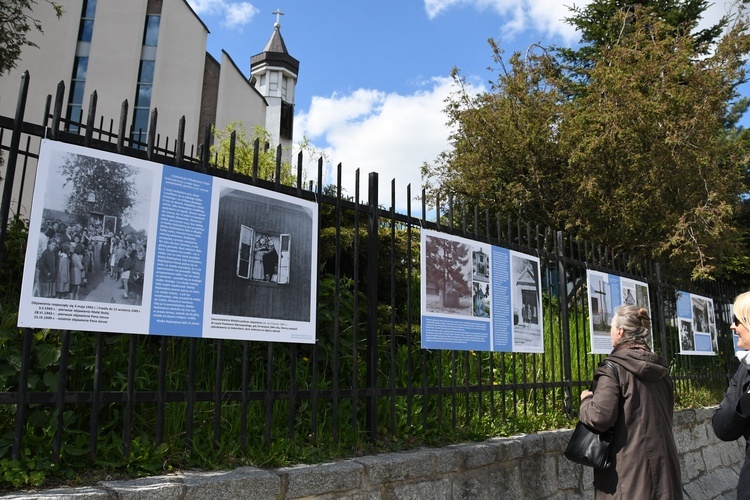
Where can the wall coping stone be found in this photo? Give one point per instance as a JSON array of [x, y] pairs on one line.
[[517, 467]]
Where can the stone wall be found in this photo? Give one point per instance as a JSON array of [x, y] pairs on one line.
[[519, 467]]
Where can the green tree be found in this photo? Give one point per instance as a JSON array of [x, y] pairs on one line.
[[505, 151], [244, 153], [593, 22], [16, 21], [655, 170], [645, 160]]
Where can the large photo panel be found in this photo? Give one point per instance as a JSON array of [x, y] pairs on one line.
[[606, 292], [90, 244], [476, 296], [124, 245], [696, 322]]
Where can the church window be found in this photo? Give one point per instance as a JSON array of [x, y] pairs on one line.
[[151, 34], [86, 28], [143, 89]]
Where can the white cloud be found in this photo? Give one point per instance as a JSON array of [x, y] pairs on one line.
[[327, 113], [235, 14], [546, 17], [543, 16], [435, 7], [207, 6], [239, 14], [372, 131]]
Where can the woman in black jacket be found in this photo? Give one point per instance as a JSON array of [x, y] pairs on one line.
[[732, 419]]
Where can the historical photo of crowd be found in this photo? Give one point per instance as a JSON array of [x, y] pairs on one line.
[[93, 234], [527, 330]]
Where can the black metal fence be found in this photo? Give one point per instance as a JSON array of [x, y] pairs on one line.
[[367, 374]]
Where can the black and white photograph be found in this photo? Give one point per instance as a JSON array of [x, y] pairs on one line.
[[263, 264], [641, 297], [480, 265], [93, 233], [628, 295], [481, 298], [90, 254], [700, 314], [526, 299], [600, 304], [687, 340], [448, 276]]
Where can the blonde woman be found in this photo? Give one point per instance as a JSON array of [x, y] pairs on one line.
[[732, 419]]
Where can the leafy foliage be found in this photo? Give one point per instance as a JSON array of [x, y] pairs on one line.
[[245, 151], [593, 22], [639, 155], [654, 169], [16, 21]]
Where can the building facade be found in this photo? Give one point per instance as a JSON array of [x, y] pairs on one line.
[[152, 54]]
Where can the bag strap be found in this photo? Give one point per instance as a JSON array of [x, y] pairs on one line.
[[614, 371]]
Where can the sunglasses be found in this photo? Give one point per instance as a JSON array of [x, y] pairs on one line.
[[736, 320]]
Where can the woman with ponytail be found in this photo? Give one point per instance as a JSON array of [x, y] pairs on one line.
[[732, 419], [638, 401]]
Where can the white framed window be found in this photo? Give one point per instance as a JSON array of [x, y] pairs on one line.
[[264, 256], [244, 257]]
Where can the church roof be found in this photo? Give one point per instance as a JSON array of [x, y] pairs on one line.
[[275, 53]]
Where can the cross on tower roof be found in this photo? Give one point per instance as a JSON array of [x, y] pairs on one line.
[[278, 13]]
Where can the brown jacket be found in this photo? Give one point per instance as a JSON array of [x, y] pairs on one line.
[[645, 465]]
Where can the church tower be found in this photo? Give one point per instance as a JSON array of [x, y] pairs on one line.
[[274, 73]]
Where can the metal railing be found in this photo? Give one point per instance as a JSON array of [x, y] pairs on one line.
[[366, 373]]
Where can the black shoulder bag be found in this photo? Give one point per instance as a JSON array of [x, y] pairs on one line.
[[588, 446]]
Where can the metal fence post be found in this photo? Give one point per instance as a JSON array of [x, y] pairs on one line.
[[660, 312], [10, 171], [562, 293], [372, 308], [22, 395], [57, 110]]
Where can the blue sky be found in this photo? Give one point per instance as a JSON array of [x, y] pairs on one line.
[[374, 74]]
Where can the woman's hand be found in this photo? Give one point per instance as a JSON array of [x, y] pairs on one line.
[[586, 394]]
